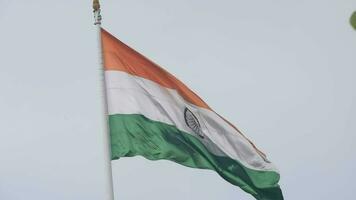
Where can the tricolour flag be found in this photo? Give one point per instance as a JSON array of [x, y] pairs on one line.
[[153, 114]]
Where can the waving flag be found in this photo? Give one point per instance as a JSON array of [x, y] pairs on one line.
[[153, 114]]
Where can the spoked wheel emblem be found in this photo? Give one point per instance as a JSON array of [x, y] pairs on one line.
[[193, 123]]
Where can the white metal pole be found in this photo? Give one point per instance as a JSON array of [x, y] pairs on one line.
[[104, 108]]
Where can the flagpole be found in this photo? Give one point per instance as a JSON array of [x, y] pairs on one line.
[[105, 133]]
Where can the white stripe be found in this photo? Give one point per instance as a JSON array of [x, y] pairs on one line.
[[128, 94]]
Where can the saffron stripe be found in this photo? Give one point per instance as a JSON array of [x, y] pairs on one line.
[[120, 57]]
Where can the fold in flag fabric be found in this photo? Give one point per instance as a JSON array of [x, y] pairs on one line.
[[154, 115]]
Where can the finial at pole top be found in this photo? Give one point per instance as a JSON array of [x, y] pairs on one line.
[[97, 15], [96, 5]]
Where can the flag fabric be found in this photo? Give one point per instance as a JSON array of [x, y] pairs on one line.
[[154, 115]]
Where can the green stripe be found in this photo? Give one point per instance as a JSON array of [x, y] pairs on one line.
[[133, 135]]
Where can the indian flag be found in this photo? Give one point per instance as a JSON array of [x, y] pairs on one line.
[[153, 114]]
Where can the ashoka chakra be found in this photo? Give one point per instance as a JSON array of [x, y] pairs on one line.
[[192, 122]]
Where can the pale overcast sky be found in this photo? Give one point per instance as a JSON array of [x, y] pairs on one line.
[[283, 71]]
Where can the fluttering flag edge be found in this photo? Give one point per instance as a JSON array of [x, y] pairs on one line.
[[252, 181]]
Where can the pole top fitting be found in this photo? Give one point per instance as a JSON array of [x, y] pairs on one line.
[[97, 15], [96, 5]]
